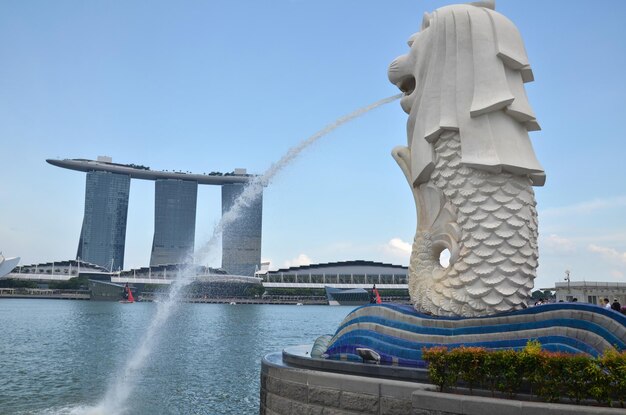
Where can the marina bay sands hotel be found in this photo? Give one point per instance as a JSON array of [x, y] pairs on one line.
[[103, 234]]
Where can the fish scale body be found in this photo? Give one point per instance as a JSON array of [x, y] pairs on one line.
[[495, 233]]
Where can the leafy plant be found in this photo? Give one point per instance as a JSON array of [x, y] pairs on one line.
[[551, 375], [614, 363], [437, 358], [469, 364]]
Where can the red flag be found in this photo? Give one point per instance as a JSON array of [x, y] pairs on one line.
[[378, 300]]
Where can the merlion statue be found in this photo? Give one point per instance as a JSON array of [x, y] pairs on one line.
[[469, 162]]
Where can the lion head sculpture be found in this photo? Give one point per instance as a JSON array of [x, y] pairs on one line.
[[465, 72]]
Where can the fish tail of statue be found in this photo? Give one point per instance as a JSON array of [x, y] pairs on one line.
[[487, 221]]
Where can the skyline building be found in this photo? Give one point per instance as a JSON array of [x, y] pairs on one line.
[[241, 240], [174, 221], [103, 233], [102, 239]]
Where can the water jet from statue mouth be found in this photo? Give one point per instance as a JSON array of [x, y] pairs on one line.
[[116, 397]]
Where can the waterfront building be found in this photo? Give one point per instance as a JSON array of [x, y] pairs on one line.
[[174, 221], [241, 239], [345, 274], [592, 292], [103, 234], [7, 264], [106, 203], [106, 291], [57, 271], [205, 282]]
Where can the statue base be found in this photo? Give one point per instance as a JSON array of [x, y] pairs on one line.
[[396, 334], [294, 383]]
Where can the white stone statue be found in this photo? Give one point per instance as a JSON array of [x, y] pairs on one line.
[[469, 162]]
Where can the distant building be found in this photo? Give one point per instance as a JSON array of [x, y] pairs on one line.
[[174, 221], [204, 282], [592, 292], [103, 234], [58, 271], [346, 274], [241, 239], [7, 264]]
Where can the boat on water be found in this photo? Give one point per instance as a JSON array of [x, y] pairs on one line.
[[347, 296], [7, 264], [128, 296]]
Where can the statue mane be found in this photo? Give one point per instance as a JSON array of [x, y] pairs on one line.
[[466, 72]]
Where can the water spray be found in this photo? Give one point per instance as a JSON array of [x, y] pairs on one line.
[[116, 396]]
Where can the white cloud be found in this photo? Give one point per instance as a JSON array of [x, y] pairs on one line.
[[301, 259], [397, 247], [616, 274], [584, 208], [608, 253], [613, 238], [557, 243]]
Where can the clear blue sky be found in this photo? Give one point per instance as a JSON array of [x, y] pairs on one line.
[[214, 85]]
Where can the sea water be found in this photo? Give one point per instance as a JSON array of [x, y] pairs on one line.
[[60, 356], [130, 372]]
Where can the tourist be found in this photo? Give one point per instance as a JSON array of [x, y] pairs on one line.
[[616, 305], [607, 304]]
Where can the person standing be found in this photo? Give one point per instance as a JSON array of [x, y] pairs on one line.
[[607, 304], [616, 305]]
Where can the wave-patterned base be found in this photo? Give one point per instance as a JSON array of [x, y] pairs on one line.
[[398, 332]]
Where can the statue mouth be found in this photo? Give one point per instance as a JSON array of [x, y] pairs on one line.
[[407, 86]]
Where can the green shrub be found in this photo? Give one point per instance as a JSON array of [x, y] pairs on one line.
[[614, 363], [531, 364], [469, 363], [598, 386], [437, 358], [551, 375], [508, 368]]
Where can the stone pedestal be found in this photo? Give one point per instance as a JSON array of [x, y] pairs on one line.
[[287, 389]]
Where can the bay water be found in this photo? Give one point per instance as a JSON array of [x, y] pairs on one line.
[[59, 356]]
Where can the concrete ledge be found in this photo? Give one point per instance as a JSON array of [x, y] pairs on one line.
[[429, 402], [297, 356], [287, 390]]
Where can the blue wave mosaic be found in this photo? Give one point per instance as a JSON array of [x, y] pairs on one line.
[[398, 332]]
